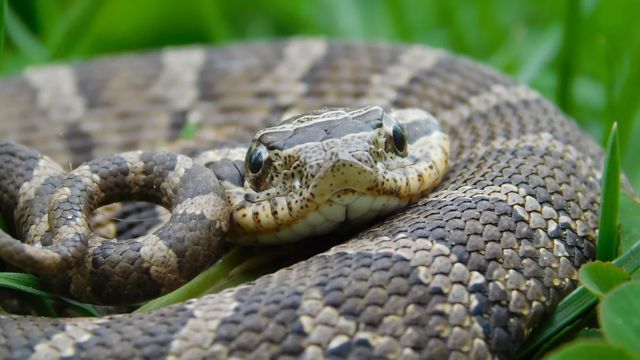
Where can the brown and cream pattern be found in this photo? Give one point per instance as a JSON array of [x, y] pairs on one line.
[[465, 273]]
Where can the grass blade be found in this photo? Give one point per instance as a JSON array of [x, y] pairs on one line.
[[201, 283], [30, 284], [568, 56], [3, 6], [629, 216], [76, 23], [23, 39], [396, 11], [22, 282], [217, 25], [607, 245], [541, 52], [83, 309]]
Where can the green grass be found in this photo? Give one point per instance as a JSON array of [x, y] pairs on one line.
[[610, 200], [30, 284], [583, 55], [3, 5]]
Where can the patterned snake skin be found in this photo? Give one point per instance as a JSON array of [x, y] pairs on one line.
[[312, 174], [466, 272]]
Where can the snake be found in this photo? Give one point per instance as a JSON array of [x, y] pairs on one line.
[[309, 175], [465, 272]]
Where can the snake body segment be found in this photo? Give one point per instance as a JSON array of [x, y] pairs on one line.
[[466, 272], [330, 169], [50, 213]]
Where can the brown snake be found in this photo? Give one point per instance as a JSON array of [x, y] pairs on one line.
[[466, 272]]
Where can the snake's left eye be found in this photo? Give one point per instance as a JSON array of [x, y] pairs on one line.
[[256, 158], [396, 136], [399, 139]]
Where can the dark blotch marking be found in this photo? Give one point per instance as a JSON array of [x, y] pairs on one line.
[[414, 130], [16, 167], [177, 123], [22, 344], [99, 80], [142, 338], [320, 131], [79, 144], [125, 256], [113, 172]]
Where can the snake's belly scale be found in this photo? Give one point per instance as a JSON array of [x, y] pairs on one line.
[[466, 272]]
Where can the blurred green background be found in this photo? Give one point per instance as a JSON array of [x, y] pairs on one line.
[[583, 55]]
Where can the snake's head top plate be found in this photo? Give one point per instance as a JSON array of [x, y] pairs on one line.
[[315, 172]]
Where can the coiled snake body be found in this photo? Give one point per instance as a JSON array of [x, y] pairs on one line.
[[466, 272]]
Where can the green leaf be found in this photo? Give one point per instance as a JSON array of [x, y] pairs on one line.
[[618, 316], [629, 220], [607, 245], [591, 350], [600, 277]]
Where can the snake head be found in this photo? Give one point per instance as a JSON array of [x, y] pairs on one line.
[[315, 172]]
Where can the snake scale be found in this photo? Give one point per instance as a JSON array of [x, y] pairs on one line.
[[465, 273]]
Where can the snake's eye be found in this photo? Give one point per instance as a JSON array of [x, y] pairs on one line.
[[396, 136], [256, 158], [399, 139]]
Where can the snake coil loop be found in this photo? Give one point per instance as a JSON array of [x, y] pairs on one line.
[[129, 270]]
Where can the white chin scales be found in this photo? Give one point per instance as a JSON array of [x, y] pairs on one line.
[[339, 211]]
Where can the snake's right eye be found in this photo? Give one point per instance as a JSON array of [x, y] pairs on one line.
[[399, 139], [256, 158]]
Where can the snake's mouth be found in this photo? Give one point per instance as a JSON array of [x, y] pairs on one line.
[[342, 209], [350, 206], [344, 193]]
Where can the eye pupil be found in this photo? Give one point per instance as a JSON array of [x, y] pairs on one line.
[[255, 161], [399, 139]]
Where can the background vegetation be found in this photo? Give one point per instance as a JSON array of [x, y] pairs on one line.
[[584, 55]]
